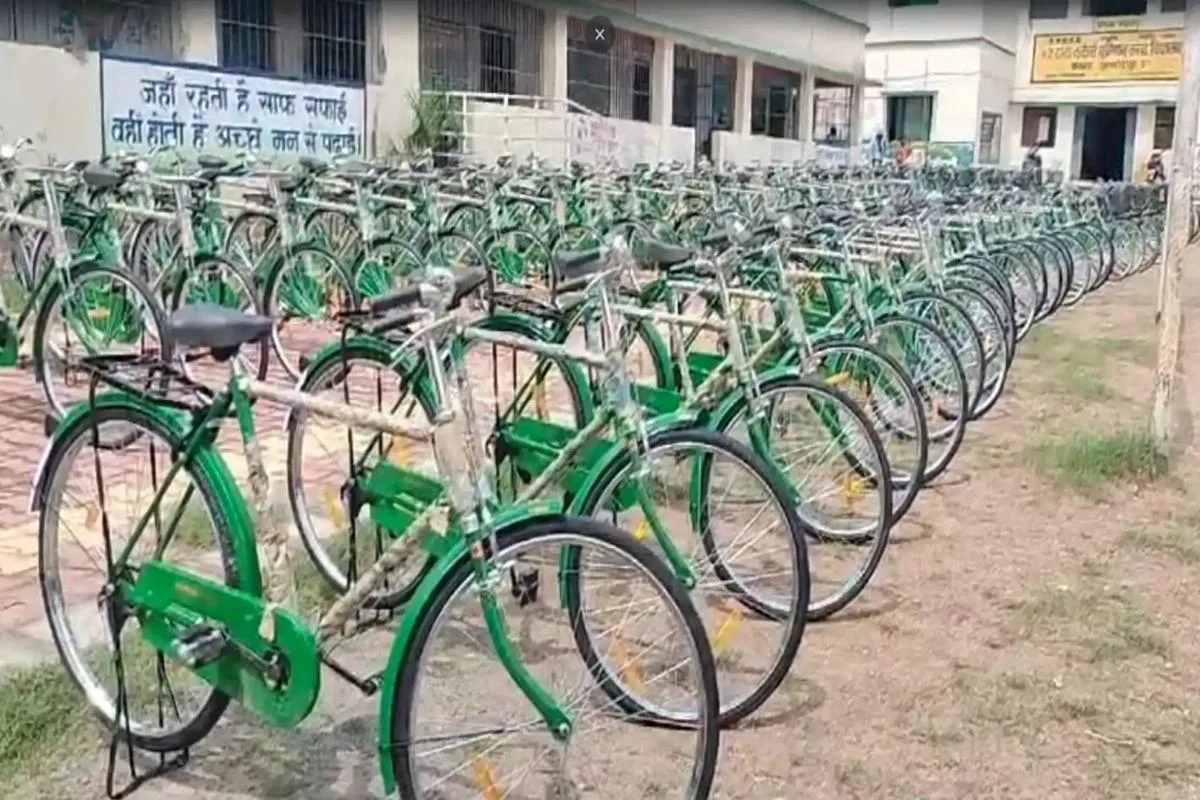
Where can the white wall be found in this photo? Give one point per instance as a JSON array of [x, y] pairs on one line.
[[950, 19], [53, 97], [791, 31], [952, 72]]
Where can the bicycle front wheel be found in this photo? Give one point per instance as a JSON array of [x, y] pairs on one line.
[[460, 727]]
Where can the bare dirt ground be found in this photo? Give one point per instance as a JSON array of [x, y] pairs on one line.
[[1032, 633]]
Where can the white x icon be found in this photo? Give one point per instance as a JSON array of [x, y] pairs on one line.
[[600, 35]]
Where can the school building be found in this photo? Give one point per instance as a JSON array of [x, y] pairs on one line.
[[762, 80], [1091, 82]]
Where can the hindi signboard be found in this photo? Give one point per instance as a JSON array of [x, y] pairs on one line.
[[1152, 55], [195, 108]]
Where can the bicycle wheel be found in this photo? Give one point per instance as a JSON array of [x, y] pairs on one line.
[[326, 460], [997, 356], [653, 641], [826, 449], [302, 294], [928, 358], [96, 310], [748, 556], [880, 387], [169, 708], [956, 325]]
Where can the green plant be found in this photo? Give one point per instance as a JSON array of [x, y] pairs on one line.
[[436, 123], [1089, 460]]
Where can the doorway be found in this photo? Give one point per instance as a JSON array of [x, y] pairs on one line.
[[1106, 139]]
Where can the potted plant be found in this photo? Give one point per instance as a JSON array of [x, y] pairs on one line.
[[437, 127]]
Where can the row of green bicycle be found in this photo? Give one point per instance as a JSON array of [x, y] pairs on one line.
[[731, 415]]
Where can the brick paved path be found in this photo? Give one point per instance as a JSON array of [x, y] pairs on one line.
[[23, 634]]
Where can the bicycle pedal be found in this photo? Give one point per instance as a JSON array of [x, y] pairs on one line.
[[200, 646], [525, 586]]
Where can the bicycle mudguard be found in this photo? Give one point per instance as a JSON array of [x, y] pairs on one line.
[[659, 424], [414, 614], [719, 417], [207, 460]]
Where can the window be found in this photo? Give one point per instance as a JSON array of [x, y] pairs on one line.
[[1048, 9], [248, 35], [773, 102], [641, 91], [1173, 6], [1038, 126], [492, 46], [1164, 127], [989, 138], [335, 34], [124, 27], [910, 117], [683, 109], [496, 57], [328, 44], [615, 83], [1113, 8]]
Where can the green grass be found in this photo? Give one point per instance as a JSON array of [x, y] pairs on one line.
[[1089, 460], [1180, 542], [1077, 366], [40, 714], [1097, 622]]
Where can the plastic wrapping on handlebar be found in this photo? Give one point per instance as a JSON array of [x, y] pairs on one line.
[[578, 259], [394, 322], [408, 296]]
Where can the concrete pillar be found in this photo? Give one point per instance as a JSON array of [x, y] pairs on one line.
[[389, 106], [662, 82], [743, 95], [554, 54], [808, 97], [1143, 140], [856, 119], [197, 25]]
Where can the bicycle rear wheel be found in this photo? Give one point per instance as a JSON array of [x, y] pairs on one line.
[[169, 707]]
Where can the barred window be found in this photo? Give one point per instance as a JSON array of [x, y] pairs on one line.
[[773, 102], [492, 46], [124, 27], [318, 40], [615, 83]]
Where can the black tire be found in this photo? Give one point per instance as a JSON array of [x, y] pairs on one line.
[[215, 706], [407, 683], [795, 621], [877, 540], [272, 304]]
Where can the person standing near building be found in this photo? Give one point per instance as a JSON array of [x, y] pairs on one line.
[[877, 149]]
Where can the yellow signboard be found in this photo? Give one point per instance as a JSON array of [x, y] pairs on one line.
[[1154, 55]]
